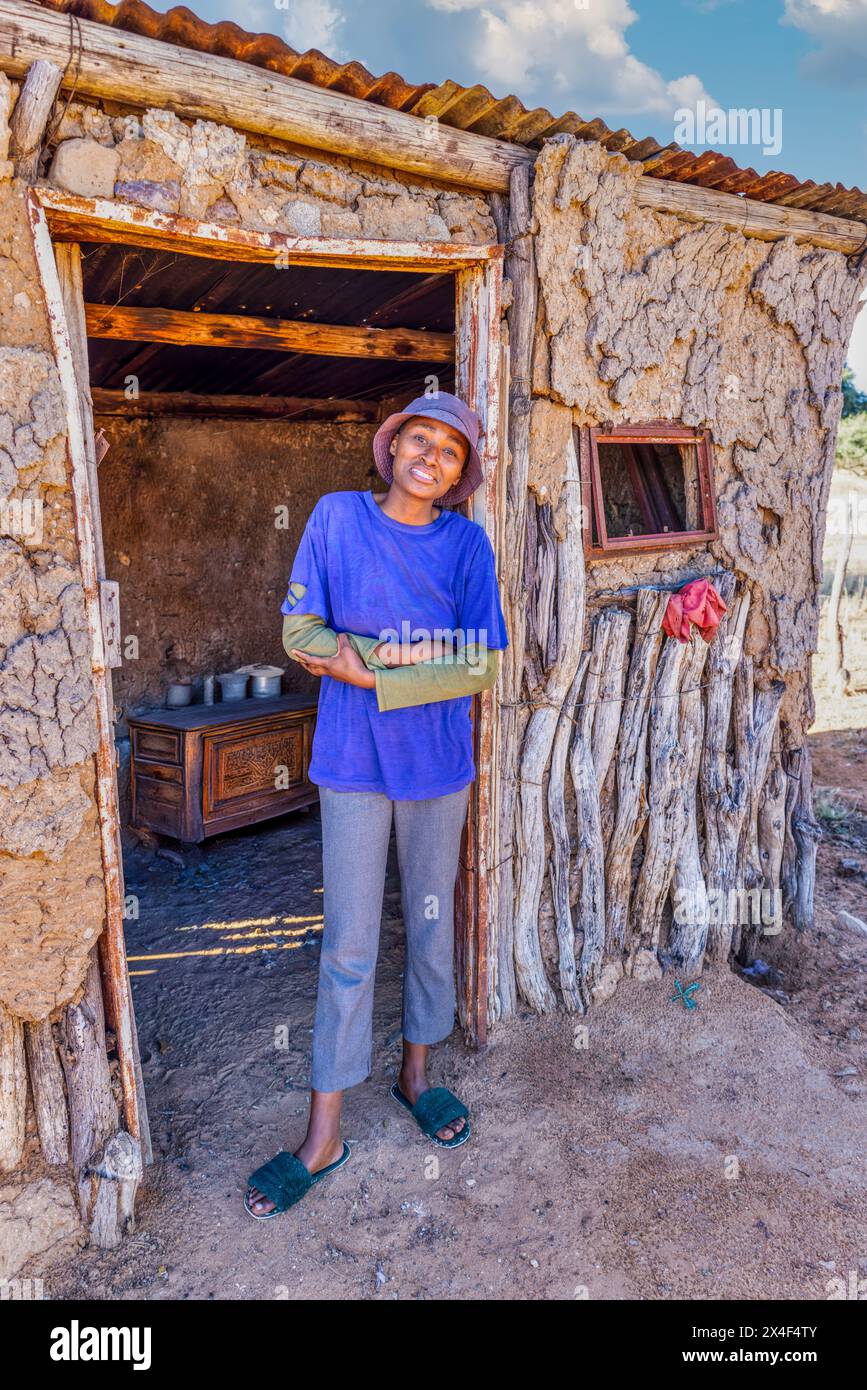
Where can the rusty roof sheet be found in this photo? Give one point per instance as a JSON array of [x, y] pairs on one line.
[[467, 108]]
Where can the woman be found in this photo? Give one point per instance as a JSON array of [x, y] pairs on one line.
[[394, 603]]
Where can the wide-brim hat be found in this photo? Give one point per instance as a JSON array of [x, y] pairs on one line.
[[454, 412]]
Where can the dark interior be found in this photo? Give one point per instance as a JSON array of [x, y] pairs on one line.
[[202, 508], [203, 504], [649, 488]]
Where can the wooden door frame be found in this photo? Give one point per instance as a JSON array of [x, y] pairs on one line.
[[58, 217], [479, 350]]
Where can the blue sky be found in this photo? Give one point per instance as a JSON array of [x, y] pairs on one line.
[[634, 64]]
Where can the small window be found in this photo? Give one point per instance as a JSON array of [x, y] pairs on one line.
[[646, 487]]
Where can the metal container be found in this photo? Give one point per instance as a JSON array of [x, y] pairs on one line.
[[233, 685], [265, 687], [178, 693]]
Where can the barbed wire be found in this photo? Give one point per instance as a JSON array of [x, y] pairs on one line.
[[604, 700]]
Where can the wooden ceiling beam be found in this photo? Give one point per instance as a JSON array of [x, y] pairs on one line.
[[181, 327], [408, 296], [109, 222], [188, 403]]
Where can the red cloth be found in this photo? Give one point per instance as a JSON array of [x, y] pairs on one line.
[[697, 603]]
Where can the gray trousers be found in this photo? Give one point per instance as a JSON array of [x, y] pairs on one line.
[[355, 835]]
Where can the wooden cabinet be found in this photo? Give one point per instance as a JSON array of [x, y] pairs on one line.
[[206, 768]]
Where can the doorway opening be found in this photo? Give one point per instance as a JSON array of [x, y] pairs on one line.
[[222, 396]]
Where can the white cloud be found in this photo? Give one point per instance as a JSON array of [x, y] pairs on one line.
[[707, 6], [543, 48], [839, 29], [302, 23]]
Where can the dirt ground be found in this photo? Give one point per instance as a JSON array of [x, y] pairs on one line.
[[661, 1154], [716, 1153]]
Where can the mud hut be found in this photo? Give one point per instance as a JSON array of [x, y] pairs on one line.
[[225, 261]]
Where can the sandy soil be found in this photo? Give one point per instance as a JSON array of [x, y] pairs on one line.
[[664, 1154], [703, 1154]]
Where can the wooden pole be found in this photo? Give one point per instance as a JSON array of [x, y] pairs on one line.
[[839, 679], [112, 947], [30, 117], [798, 872], [501, 866], [723, 787], [771, 838], [106, 1164], [538, 741], [85, 496], [559, 864], [189, 404], [478, 299], [46, 1086], [590, 848], [666, 816], [520, 270], [13, 1090], [755, 727], [609, 673], [765, 221], [630, 766], [689, 916]]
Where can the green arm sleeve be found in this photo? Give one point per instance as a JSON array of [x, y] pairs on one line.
[[466, 671], [309, 633]]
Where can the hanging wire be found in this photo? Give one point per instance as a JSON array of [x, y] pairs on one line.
[[660, 588], [518, 236], [608, 700], [74, 29]]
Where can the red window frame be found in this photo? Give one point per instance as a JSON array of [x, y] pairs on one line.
[[593, 511]]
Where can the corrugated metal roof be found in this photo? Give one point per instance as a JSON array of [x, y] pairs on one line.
[[467, 108]]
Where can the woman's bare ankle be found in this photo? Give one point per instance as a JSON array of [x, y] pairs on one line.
[[318, 1150], [412, 1082]]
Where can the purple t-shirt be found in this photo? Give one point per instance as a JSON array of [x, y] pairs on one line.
[[366, 573]]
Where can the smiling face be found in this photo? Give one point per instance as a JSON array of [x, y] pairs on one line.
[[429, 457]]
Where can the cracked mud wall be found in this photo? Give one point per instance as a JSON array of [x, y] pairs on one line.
[[51, 895], [645, 316]]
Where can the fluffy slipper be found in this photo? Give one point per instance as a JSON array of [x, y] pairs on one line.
[[435, 1109], [284, 1180]]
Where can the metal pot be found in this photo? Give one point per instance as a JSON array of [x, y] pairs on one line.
[[264, 687], [233, 685], [178, 693]]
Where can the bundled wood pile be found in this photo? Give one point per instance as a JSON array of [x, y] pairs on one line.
[[62, 1069], [663, 778], [647, 804]]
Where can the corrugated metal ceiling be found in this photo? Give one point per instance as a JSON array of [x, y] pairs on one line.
[[467, 108], [133, 276]]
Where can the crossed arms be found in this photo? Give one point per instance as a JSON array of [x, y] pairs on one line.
[[405, 674]]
